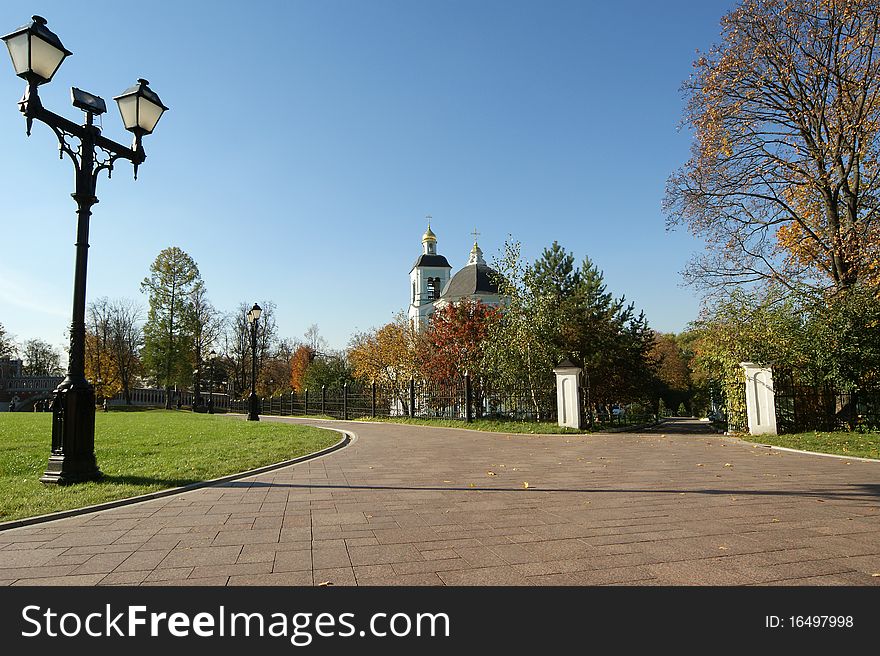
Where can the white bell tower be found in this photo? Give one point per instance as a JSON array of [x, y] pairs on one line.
[[427, 278]]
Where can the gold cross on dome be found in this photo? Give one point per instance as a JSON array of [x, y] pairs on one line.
[[475, 234]]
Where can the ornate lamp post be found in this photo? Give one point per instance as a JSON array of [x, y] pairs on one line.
[[36, 54], [253, 318], [211, 357]]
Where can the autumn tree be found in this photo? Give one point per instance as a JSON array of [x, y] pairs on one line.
[[277, 369], [167, 334], [672, 372], [784, 180], [300, 360], [126, 342], [387, 355], [40, 359], [204, 325], [454, 340], [100, 364], [113, 341]]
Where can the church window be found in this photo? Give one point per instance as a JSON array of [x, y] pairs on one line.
[[434, 288], [414, 292]]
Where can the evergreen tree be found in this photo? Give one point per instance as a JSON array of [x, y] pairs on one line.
[[168, 338]]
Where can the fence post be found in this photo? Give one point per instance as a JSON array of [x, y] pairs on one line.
[[760, 401], [373, 400], [568, 405], [306, 406], [412, 396], [345, 401], [468, 398], [323, 399]]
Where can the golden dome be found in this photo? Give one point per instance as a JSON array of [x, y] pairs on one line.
[[429, 235]]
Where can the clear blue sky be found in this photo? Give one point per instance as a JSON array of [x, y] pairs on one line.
[[307, 140]]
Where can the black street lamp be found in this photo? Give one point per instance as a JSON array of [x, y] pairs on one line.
[[36, 54], [253, 402], [211, 357]]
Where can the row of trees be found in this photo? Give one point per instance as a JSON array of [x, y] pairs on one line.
[[783, 184], [39, 358], [170, 345], [552, 310]]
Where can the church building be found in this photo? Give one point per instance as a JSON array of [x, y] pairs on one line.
[[433, 288]]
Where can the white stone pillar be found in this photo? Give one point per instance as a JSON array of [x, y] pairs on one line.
[[568, 403], [760, 402]]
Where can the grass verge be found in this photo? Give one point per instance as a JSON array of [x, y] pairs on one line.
[[859, 445], [141, 452]]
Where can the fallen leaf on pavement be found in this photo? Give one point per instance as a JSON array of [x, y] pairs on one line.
[[490, 473], [525, 485], [323, 583]]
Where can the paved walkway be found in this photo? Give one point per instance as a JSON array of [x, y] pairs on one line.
[[409, 505]]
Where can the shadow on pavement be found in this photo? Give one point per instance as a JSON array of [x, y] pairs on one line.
[[853, 492], [682, 426]]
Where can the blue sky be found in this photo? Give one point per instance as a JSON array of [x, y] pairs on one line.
[[307, 140]]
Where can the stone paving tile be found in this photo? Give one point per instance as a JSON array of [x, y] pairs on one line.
[[276, 578], [335, 576], [125, 578], [254, 536], [293, 561], [238, 569], [201, 556], [403, 579], [84, 579], [169, 575], [141, 560], [30, 558], [384, 554], [395, 510], [101, 563], [483, 576], [212, 582]]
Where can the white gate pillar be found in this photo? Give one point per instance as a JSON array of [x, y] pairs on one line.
[[760, 402], [568, 402]]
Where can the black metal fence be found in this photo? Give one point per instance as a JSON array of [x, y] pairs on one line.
[[802, 408], [462, 399]]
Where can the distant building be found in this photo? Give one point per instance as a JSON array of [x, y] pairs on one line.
[[9, 368], [431, 286]]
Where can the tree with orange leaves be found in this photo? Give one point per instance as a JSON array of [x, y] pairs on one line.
[[784, 178], [300, 360], [454, 338]]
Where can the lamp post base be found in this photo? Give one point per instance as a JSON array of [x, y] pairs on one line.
[[253, 408], [73, 436]]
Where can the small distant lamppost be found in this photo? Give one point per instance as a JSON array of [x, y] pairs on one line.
[[37, 54], [211, 357], [253, 318], [195, 395]]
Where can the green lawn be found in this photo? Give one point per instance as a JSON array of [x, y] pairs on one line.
[[861, 445], [141, 452]]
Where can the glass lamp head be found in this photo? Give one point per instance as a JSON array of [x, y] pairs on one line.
[[36, 51]]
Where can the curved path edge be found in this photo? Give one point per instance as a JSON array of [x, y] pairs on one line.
[[347, 438], [801, 451]]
